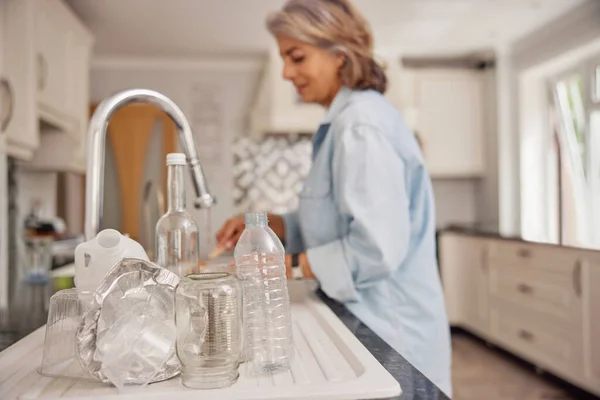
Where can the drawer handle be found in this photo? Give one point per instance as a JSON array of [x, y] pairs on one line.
[[42, 72], [525, 289], [525, 335], [577, 278], [524, 253], [9, 104]]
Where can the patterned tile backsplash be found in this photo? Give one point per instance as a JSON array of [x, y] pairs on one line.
[[269, 172]]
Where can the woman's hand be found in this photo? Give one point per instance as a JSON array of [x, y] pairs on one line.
[[230, 232], [304, 266]]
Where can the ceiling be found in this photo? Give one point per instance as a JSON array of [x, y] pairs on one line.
[[236, 27]]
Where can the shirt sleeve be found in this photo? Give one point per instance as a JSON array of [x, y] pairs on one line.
[[369, 186], [294, 243]]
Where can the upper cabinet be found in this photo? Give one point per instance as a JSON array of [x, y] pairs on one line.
[[21, 130], [447, 106], [47, 54]]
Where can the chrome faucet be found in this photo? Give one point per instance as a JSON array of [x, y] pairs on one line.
[[94, 191]]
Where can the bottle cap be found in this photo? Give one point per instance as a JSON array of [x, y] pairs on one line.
[[176, 159]]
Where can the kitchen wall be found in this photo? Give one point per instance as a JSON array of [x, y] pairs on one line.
[[455, 201], [33, 186], [232, 85]]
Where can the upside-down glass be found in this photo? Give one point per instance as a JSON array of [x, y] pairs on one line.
[[208, 312]]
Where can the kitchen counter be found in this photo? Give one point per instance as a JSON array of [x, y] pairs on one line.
[[494, 233], [415, 385]]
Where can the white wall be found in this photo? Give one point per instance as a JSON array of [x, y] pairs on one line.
[[455, 201], [232, 83], [37, 186]]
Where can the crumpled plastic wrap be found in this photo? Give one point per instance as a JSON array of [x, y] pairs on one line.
[[135, 293]]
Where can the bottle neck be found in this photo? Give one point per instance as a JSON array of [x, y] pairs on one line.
[[256, 220], [176, 188]]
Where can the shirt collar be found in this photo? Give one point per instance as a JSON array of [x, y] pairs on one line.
[[337, 105]]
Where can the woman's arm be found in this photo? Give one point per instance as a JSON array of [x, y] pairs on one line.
[[369, 183], [292, 237]]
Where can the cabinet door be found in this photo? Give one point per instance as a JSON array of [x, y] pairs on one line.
[[51, 78], [79, 87], [592, 314], [18, 42], [450, 121], [463, 261], [475, 297]]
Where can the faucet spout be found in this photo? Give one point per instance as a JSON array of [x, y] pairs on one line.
[[94, 191]]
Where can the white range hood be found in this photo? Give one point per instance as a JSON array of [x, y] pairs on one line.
[[277, 107]]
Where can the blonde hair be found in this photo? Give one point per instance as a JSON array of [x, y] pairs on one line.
[[337, 26]]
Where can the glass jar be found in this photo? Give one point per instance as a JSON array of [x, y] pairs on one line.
[[208, 315]]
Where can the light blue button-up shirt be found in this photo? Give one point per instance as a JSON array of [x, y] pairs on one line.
[[366, 221]]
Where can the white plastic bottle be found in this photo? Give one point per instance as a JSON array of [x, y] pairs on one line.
[[260, 266], [176, 231], [94, 258]]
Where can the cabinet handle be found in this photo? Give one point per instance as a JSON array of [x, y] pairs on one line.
[[7, 115], [42, 71], [524, 253], [524, 288], [577, 278], [525, 335]]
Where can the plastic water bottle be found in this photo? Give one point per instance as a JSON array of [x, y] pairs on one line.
[[260, 265]]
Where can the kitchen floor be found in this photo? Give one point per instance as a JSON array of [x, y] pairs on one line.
[[483, 372]]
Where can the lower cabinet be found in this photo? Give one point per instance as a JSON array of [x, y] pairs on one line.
[[465, 277], [540, 302]]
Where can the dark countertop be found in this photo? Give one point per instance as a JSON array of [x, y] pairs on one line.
[[494, 233], [415, 386]]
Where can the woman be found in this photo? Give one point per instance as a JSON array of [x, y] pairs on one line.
[[366, 214]]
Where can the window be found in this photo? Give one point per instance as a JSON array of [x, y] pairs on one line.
[[576, 126], [569, 98]]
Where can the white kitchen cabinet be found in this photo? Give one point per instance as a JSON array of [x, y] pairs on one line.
[[536, 304], [449, 119], [545, 342], [592, 314], [51, 56], [464, 267], [68, 152], [47, 52], [537, 301], [19, 69]]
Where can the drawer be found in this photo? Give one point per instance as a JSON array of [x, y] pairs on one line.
[[555, 347], [531, 256], [555, 295]]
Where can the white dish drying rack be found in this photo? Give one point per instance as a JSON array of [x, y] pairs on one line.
[[330, 363]]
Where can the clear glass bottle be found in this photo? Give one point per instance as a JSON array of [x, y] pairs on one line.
[[176, 231], [208, 313], [260, 266]]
